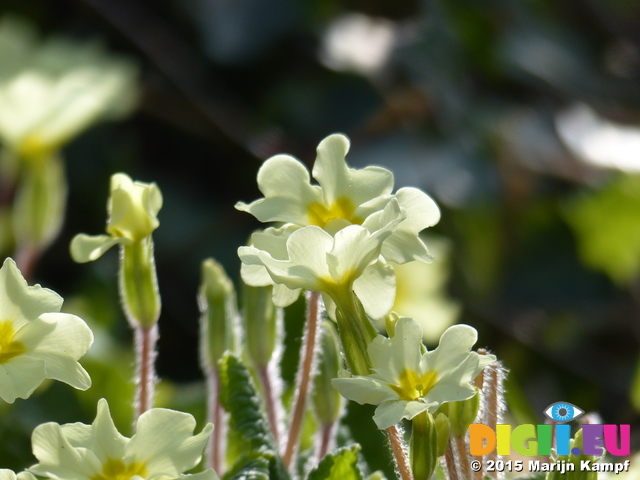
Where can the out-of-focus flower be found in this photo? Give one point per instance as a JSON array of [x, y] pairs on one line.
[[408, 381], [36, 341], [50, 91], [133, 208], [163, 448], [6, 474]]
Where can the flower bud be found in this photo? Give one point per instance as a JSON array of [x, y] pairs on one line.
[[327, 402], [461, 414], [443, 430], [133, 208], [261, 319], [423, 446], [218, 308]]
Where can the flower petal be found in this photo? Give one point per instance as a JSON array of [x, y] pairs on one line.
[[86, 248], [338, 180], [285, 183], [283, 296], [376, 289], [20, 302], [392, 412], [164, 440], [363, 390], [391, 356], [19, 377], [59, 340], [454, 347]]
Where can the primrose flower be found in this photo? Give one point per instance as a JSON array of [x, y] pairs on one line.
[[36, 341], [344, 196], [163, 448], [312, 259], [53, 90], [407, 381], [133, 208]]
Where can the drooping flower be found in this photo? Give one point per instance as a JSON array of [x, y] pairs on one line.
[[133, 208], [36, 340], [163, 448], [50, 91], [344, 196], [407, 380]]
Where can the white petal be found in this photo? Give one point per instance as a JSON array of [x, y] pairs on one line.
[[164, 440], [283, 296], [402, 247], [20, 302], [390, 413], [338, 180], [422, 211], [454, 347], [376, 289], [285, 183], [390, 356], [363, 390], [59, 340], [19, 377]]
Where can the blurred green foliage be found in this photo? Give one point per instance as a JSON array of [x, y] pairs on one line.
[[544, 247]]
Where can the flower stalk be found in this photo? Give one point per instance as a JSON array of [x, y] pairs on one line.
[[306, 368]]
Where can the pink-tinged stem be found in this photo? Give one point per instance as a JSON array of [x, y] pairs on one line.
[[146, 339], [27, 257], [272, 411], [402, 462], [452, 465], [326, 439], [304, 382], [216, 416]]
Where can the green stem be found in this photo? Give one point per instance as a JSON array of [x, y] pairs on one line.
[[138, 283], [356, 332]]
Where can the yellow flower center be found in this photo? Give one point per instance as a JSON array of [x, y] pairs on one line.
[[413, 386], [9, 348], [117, 470], [342, 209], [34, 148]]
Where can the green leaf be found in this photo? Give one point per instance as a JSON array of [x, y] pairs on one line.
[[607, 229], [240, 399], [250, 469], [340, 465]]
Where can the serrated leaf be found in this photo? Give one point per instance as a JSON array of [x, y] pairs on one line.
[[340, 465], [241, 401]]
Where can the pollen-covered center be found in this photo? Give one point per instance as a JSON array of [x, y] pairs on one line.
[[342, 209], [9, 348], [118, 470], [412, 385]]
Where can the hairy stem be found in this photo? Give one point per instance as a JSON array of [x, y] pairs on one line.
[[326, 440], [450, 460], [270, 399], [304, 375], [399, 455], [463, 457], [215, 416], [146, 339]]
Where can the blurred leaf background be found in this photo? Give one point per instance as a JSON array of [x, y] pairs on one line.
[[521, 118]]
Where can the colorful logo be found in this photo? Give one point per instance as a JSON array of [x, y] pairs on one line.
[[534, 440]]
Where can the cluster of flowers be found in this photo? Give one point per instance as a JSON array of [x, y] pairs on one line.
[[342, 238], [37, 342]]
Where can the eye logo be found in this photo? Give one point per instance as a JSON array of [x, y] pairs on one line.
[[563, 412]]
